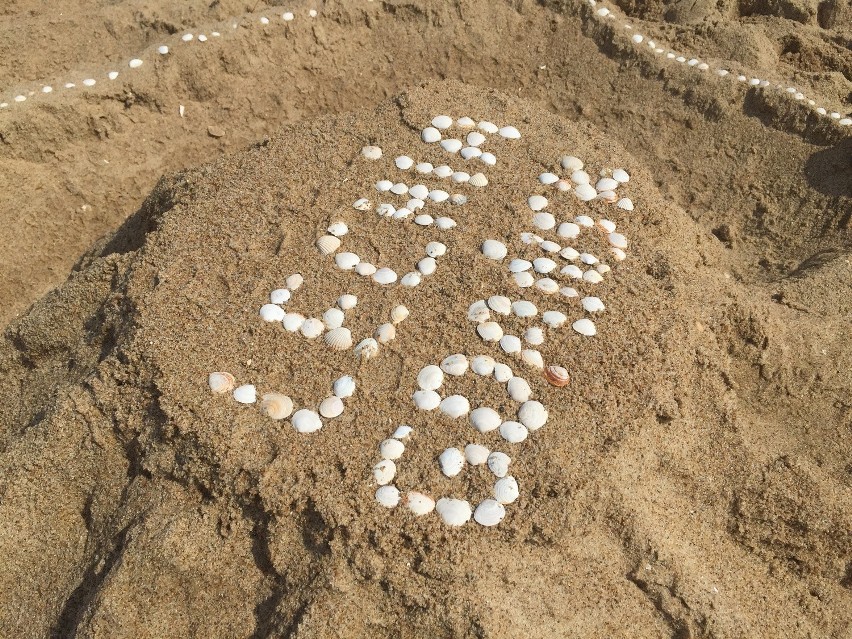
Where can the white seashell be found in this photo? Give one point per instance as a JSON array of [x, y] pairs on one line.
[[506, 490], [488, 158], [430, 135], [585, 192], [519, 389], [442, 171], [427, 265], [419, 191], [402, 213], [442, 122], [339, 229], [537, 202], [569, 253], [423, 220], [543, 265], [584, 327], [570, 163], [475, 454], [391, 449], [544, 221], [618, 254], [617, 240], [445, 223], [534, 335], [362, 204], [592, 276], [430, 378], [426, 399], [494, 250], [606, 184], [454, 512], [625, 203], [510, 344], [465, 123], [331, 407], [502, 373], [312, 328], [458, 199], [517, 265], [568, 230], [333, 318], [384, 185], [452, 462], [438, 196], [485, 419], [580, 177], [602, 268], [532, 415], [221, 382], [347, 301], [399, 188], [488, 127], [588, 258], [385, 209], [500, 304], [547, 286], [384, 276], [420, 504], [276, 405], [554, 319], [585, 221], [365, 268], [572, 270], [523, 308], [475, 138], [367, 349], [403, 162], [513, 432], [489, 513], [478, 180], [592, 304], [607, 196], [620, 175], [346, 261], [548, 178], [470, 152], [340, 339], [436, 249], [306, 421], [293, 321], [385, 333], [523, 280], [415, 203], [532, 357], [498, 463], [424, 168], [399, 314], [371, 152], [271, 313], [483, 365], [384, 472], [509, 132], [455, 365], [489, 331], [343, 387], [402, 432], [451, 145], [478, 312], [279, 296], [568, 291], [388, 496], [455, 406], [531, 238], [550, 247]]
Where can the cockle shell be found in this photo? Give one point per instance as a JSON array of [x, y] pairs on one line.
[[452, 462], [455, 365], [532, 357], [347, 301], [585, 192], [419, 191], [506, 490], [306, 421], [502, 373], [523, 308], [331, 407], [556, 376], [451, 145], [500, 304], [344, 387], [568, 230], [430, 378], [391, 449], [420, 504], [517, 265], [478, 312], [571, 163], [498, 463], [388, 496], [339, 229], [427, 266], [548, 178], [340, 339], [367, 349], [617, 240], [442, 122], [580, 177], [550, 247], [430, 135], [544, 221], [221, 382], [621, 176], [453, 512], [519, 389], [475, 138], [333, 318], [510, 344], [489, 513], [485, 419], [455, 406], [385, 333], [276, 405], [460, 177], [569, 253], [488, 158], [572, 270], [476, 454], [424, 168], [494, 250], [523, 279], [483, 365], [478, 180], [625, 203], [547, 286], [399, 314], [593, 276], [279, 296], [554, 319], [312, 328], [537, 202], [585, 327], [532, 414], [328, 244], [384, 472], [426, 399], [245, 394], [606, 184], [346, 261], [384, 276], [293, 321], [271, 313], [490, 331]]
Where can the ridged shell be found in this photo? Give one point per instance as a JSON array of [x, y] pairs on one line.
[[513, 432], [489, 513], [221, 382], [398, 314], [532, 415], [571, 163], [385, 333], [625, 203], [388, 496], [391, 449], [331, 407], [384, 472], [485, 419], [451, 461], [556, 376], [519, 389], [430, 378], [453, 512], [498, 463], [476, 454], [344, 387], [276, 405], [306, 421], [420, 504], [367, 349], [328, 244], [580, 177], [455, 406], [534, 336], [478, 180], [245, 394], [506, 490], [455, 364], [524, 308]]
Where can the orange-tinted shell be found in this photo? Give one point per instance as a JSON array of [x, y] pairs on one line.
[[556, 376]]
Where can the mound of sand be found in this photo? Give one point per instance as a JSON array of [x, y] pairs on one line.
[[692, 479]]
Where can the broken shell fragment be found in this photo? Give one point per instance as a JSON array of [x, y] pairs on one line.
[[367, 349]]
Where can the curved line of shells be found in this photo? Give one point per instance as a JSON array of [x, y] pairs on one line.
[[163, 49], [638, 40]]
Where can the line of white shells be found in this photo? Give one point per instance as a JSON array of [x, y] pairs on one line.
[[638, 40], [162, 49], [403, 162], [580, 182]]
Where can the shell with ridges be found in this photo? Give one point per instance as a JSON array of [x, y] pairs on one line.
[[489, 512], [506, 490], [385, 333], [328, 244], [451, 461], [388, 496], [367, 349], [276, 405], [221, 382], [556, 376]]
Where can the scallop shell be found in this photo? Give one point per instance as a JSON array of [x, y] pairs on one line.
[[532, 414], [367, 349], [483, 365], [455, 406], [420, 504], [489, 513], [245, 394], [490, 331], [339, 229], [556, 376], [519, 389], [399, 313], [388, 496], [426, 399], [500, 304], [221, 382], [532, 357], [312, 328], [476, 454], [276, 405], [485, 419], [625, 203], [585, 327], [506, 490], [430, 378], [478, 180], [271, 313], [580, 177], [384, 472], [453, 512], [498, 463], [333, 318], [331, 407], [344, 387], [455, 365], [306, 421], [452, 462], [502, 373], [328, 244], [391, 449], [293, 321], [385, 333]]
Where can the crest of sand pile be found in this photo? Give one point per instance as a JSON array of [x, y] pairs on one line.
[[204, 515]]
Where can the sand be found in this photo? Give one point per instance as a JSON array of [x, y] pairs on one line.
[[693, 478]]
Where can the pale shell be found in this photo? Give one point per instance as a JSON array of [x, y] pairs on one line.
[[415, 203], [331, 407], [420, 504], [547, 286], [293, 321], [510, 344], [245, 394], [585, 192], [606, 184], [399, 188], [339, 229], [584, 220], [280, 296], [483, 365], [419, 192], [438, 196], [478, 312], [592, 276], [548, 178], [346, 261], [569, 291], [580, 177], [344, 387], [469, 152], [523, 308], [384, 472], [557, 376], [384, 185], [384, 276], [490, 331], [436, 249], [498, 463], [465, 122], [500, 304], [550, 247], [494, 250], [488, 158], [532, 357], [328, 244], [460, 177], [625, 203], [585, 327], [475, 138], [485, 419], [426, 399], [569, 253], [388, 496], [347, 301], [333, 318], [544, 221], [401, 213], [523, 279], [442, 122], [532, 414], [453, 512], [476, 454], [442, 171], [592, 304], [402, 432], [458, 199], [385, 210], [554, 319], [509, 132], [306, 421], [367, 349], [430, 378], [271, 313], [455, 406], [606, 225], [489, 513], [537, 202], [572, 270], [221, 382], [588, 258], [399, 314], [445, 223], [427, 266], [371, 152], [518, 265], [618, 254], [391, 449], [312, 328], [455, 365], [568, 230], [430, 135], [340, 339], [571, 163], [519, 389], [403, 162], [451, 145], [452, 462], [424, 168], [617, 240], [506, 490], [478, 180], [502, 373], [385, 333]]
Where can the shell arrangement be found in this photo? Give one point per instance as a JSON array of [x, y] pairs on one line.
[[565, 263]]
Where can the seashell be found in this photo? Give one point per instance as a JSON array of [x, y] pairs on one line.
[[554, 319], [445, 223], [331, 407], [442, 171], [340, 339], [399, 189], [279, 296], [532, 357], [399, 314], [602, 268], [618, 254], [347, 301], [436, 249], [384, 276], [371, 152], [455, 365], [513, 432], [419, 191], [568, 230], [502, 373], [592, 304], [607, 196], [488, 158], [384, 185], [367, 349], [438, 196], [451, 145], [510, 344], [489, 513], [426, 399], [585, 192], [465, 123], [385, 333], [488, 127], [483, 365], [534, 335], [617, 240], [519, 389], [625, 203], [271, 313], [485, 419], [391, 449], [524, 279], [579, 177], [430, 135], [362, 204], [506, 490], [568, 291], [401, 213], [478, 180], [509, 132], [312, 328], [478, 312], [498, 463], [346, 261], [420, 504], [385, 209], [494, 250], [537, 202], [584, 327], [365, 268], [442, 122], [606, 184], [543, 265], [475, 138], [343, 387], [403, 162], [415, 203], [455, 406], [306, 421], [550, 247], [570, 163], [500, 304], [475, 454], [339, 229], [556, 376], [490, 331], [548, 178], [427, 265], [452, 462], [220, 382], [402, 432], [532, 415], [333, 318], [458, 199], [293, 321], [592, 276], [523, 308], [547, 286], [424, 168], [588, 258], [460, 177], [384, 472], [584, 220], [572, 270], [569, 253], [423, 219], [388, 496], [531, 238], [453, 512], [470, 152], [517, 265], [544, 221]]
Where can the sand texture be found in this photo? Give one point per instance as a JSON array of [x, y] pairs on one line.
[[693, 479]]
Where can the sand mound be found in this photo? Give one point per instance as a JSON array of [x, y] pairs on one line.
[[690, 480]]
